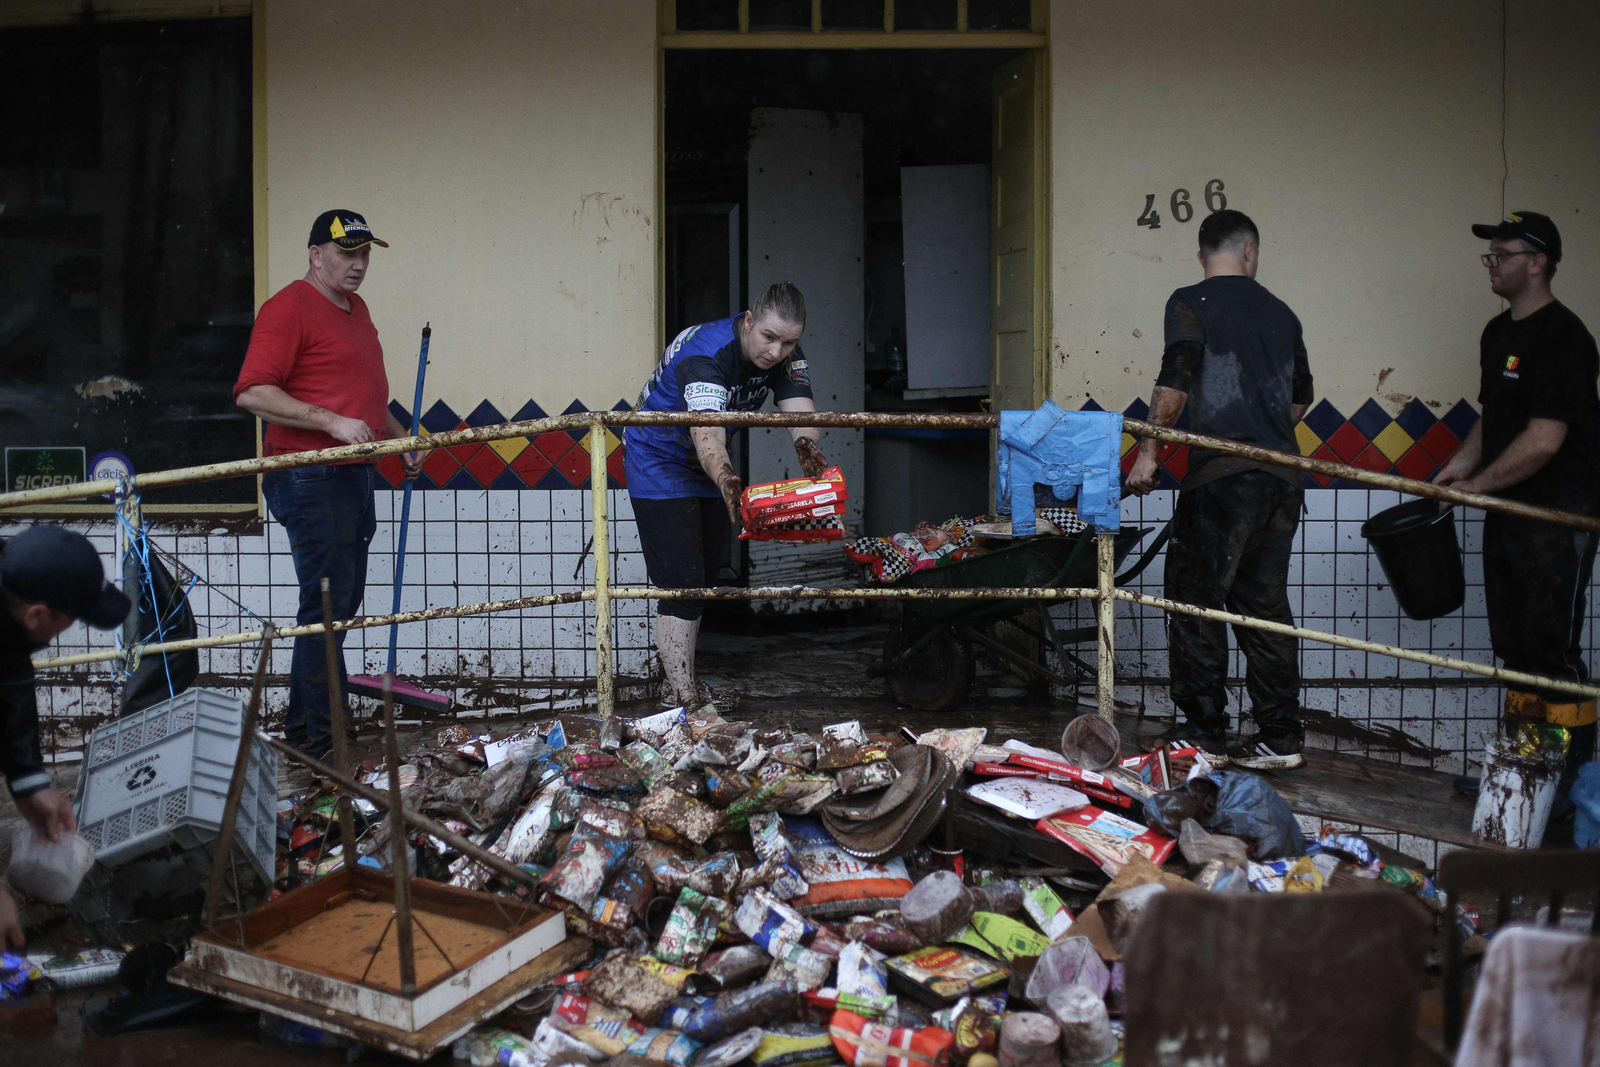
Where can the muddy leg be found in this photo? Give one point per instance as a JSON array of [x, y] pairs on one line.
[[675, 641]]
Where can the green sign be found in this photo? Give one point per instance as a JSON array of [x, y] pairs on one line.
[[39, 468]]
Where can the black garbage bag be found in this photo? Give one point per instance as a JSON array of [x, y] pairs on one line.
[[164, 615]]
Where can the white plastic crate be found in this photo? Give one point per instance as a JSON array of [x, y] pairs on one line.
[[160, 777]]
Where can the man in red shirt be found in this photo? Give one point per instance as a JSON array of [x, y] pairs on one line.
[[314, 373]]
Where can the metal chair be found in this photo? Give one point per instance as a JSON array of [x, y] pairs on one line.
[[1552, 872]]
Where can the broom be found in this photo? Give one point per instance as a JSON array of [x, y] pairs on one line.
[[365, 684]]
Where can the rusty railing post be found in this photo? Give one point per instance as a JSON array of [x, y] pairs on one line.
[[397, 846], [241, 768], [1106, 608], [341, 751], [602, 569]]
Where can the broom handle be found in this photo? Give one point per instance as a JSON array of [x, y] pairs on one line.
[[405, 506]]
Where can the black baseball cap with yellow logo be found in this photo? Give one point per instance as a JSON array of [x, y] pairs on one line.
[[1529, 226], [344, 228]]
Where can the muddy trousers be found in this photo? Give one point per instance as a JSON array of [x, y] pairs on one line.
[[1535, 586], [1230, 547]]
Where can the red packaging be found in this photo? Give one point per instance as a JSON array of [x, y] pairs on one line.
[[803, 531], [1092, 784], [763, 504], [864, 1043], [1107, 838]]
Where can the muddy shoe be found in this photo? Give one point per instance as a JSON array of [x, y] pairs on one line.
[[1185, 734], [1268, 751]]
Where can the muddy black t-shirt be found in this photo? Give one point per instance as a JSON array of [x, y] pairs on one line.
[[1544, 367], [1238, 352]]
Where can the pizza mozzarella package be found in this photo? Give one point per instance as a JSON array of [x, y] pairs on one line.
[[780, 502], [1107, 838]]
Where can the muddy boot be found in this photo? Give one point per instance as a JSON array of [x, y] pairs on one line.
[[675, 642]]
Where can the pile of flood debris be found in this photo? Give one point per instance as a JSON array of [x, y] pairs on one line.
[[791, 899]]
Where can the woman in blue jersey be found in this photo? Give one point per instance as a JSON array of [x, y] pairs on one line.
[[685, 493]]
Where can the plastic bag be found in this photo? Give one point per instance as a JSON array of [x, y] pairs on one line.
[[1070, 961], [49, 870], [1200, 847], [1238, 805]]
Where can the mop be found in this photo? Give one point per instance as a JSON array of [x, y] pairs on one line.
[[365, 684]]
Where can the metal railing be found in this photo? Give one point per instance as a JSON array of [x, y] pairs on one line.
[[597, 424]]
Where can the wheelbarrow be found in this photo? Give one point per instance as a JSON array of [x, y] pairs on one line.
[[928, 655]]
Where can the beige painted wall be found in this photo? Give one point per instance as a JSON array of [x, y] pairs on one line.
[[507, 152], [1363, 136]]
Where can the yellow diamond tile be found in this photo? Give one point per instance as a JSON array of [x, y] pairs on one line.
[[1309, 441], [510, 448], [1393, 442], [1127, 443], [613, 442]]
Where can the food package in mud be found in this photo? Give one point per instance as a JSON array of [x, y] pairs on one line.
[[862, 1042], [611, 1030], [794, 1045], [865, 776], [940, 976], [771, 923], [862, 971], [740, 1010], [760, 504], [1108, 839], [800, 532], [999, 936], [578, 876], [629, 985], [678, 1013], [842, 884], [622, 902], [691, 927], [730, 968], [646, 762], [671, 816], [801, 966], [1045, 908], [665, 1046]]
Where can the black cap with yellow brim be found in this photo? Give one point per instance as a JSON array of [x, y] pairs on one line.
[[344, 228]]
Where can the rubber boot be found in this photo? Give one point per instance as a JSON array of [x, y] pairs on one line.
[[675, 643]]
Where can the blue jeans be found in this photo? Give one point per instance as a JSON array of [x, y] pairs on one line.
[[329, 516]]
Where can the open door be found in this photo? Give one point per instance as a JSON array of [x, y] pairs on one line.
[[1017, 374]]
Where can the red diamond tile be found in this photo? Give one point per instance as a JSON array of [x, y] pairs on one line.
[[1176, 462], [391, 470], [530, 465], [616, 468], [554, 446], [1347, 443], [575, 465], [486, 465], [1129, 458], [1371, 459], [440, 466], [1440, 442], [1331, 456], [1416, 464]]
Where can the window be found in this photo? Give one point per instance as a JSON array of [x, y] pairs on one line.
[[126, 247]]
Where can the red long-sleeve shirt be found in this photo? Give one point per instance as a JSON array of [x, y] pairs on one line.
[[315, 351]]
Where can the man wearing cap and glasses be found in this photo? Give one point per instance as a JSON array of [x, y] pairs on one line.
[[1538, 442], [49, 578], [314, 373]]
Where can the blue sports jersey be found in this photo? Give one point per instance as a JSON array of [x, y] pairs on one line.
[[703, 369]]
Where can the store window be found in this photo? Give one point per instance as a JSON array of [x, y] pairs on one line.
[[126, 261]]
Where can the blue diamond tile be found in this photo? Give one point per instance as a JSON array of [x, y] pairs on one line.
[[463, 479], [1308, 482], [1090, 405], [439, 418], [530, 410], [574, 408], [1167, 480], [1323, 419], [485, 414], [1415, 419], [1461, 419], [1371, 419], [401, 415], [1136, 410], [509, 479], [622, 405], [554, 479]]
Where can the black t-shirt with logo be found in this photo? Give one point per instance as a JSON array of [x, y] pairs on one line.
[[1544, 367]]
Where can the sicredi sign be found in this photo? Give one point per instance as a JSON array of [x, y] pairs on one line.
[[41, 468]]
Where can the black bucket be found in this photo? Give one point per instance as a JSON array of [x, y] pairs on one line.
[[1416, 545]]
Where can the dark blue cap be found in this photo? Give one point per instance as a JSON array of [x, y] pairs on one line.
[[54, 566]]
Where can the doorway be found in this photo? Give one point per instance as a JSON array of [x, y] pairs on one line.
[[928, 260]]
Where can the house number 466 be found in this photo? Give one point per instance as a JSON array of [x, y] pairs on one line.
[[1182, 209]]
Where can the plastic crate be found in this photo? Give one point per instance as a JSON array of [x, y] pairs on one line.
[[159, 778]]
